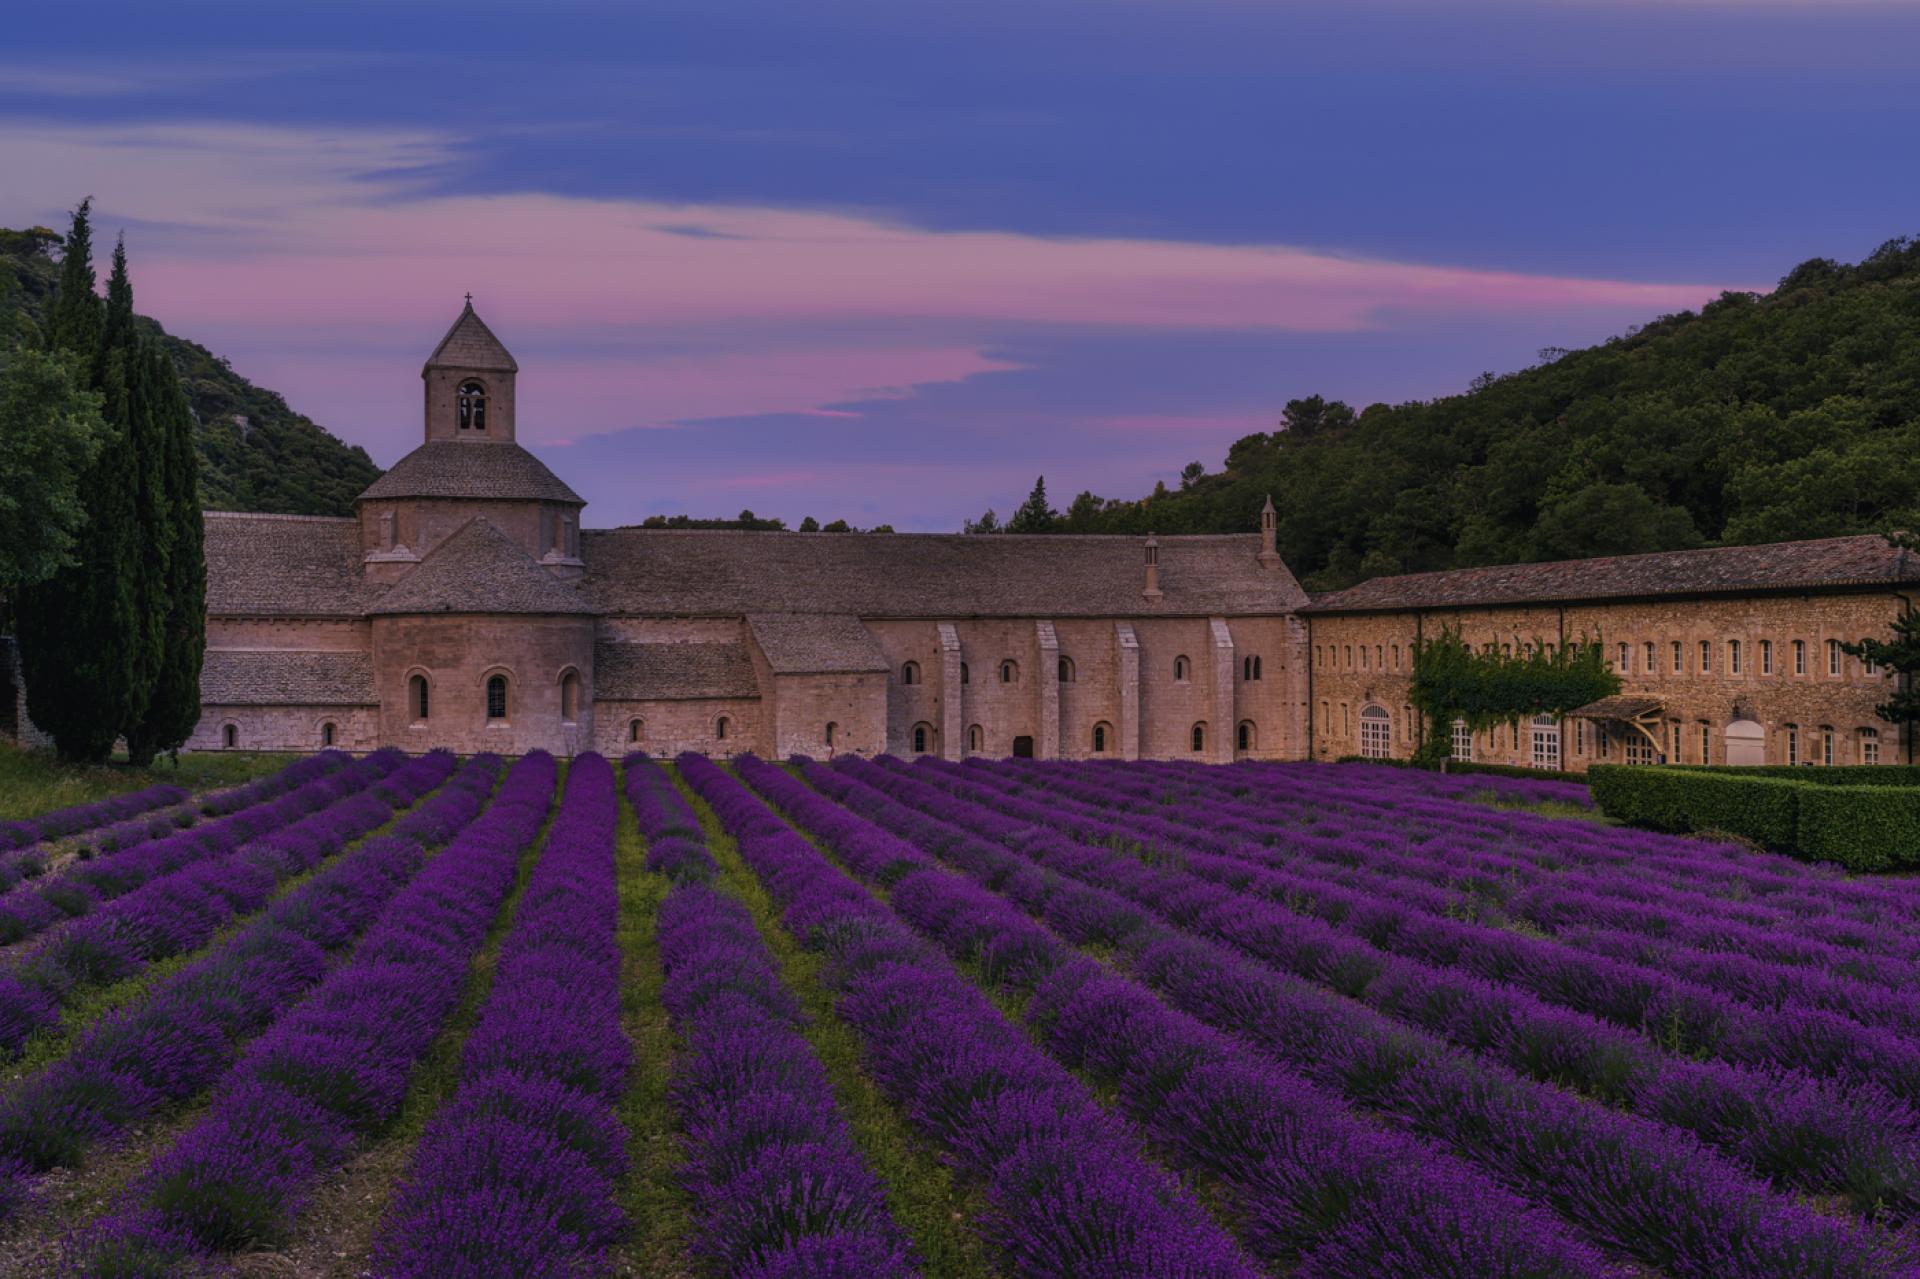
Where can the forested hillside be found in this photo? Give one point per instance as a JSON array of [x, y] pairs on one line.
[[1763, 417], [256, 454]]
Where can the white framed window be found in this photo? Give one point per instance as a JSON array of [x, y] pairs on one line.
[[1826, 746], [1546, 742], [1799, 657], [1869, 746], [1647, 657], [1626, 667], [1462, 741], [1677, 663], [1706, 742], [1766, 657], [1833, 657], [1734, 654], [1706, 656], [1793, 744], [1376, 732]]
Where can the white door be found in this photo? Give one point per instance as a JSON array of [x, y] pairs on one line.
[[1746, 743]]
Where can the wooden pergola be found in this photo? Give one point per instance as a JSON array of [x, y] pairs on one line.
[[1639, 713]]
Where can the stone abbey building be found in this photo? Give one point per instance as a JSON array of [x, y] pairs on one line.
[[466, 606]]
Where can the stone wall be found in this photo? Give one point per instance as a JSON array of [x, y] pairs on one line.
[[286, 728], [457, 654], [669, 727], [1795, 709]]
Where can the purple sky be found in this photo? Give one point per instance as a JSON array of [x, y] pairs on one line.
[[889, 261]]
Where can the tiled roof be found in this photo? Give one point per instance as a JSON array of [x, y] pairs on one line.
[[677, 572], [471, 469], [470, 344], [816, 643], [671, 672], [478, 570], [1866, 560], [1621, 708], [235, 677], [283, 566]]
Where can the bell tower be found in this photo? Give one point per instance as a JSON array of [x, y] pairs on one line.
[[469, 384]]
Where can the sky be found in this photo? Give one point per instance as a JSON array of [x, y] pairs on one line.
[[888, 261]]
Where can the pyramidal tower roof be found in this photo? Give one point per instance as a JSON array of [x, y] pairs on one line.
[[479, 570], [470, 344]]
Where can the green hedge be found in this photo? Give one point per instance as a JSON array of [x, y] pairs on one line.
[[1457, 766], [1860, 827], [1818, 775]]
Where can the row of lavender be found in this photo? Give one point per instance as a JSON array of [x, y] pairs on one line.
[[1633, 1187], [187, 1031], [778, 1186], [331, 1070]]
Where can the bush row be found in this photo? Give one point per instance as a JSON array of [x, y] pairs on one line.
[[1860, 827]]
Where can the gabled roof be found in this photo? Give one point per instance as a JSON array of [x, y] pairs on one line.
[[1825, 563], [471, 469], [702, 573], [671, 672], [275, 677], [470, 344], [816, 644], [283, 566], [478, 570]]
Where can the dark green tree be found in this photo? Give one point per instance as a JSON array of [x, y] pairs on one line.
[[809, 525], [988, 523], [80, 631], [173, 707], [1034, 515], [1900, 655], [1454, 681], [50, 431]]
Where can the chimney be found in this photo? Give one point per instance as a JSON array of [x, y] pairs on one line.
[[1269, 528], [1152, 593]]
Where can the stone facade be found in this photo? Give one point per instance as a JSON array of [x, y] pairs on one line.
[[465, 606]]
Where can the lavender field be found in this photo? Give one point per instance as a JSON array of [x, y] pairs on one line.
[[437, 1018]]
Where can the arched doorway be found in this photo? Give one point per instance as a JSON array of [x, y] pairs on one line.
[[1746, 742]]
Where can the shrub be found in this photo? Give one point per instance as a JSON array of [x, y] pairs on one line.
[[1861, 827]]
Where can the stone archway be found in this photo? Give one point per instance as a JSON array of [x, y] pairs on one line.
[[1746, 742]]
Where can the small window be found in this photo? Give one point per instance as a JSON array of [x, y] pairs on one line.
[[326, 733], [1066, 670], [230, 735], [1648, 657], [1826, 746], [1833, 657], [636, 729], [1319, 658], [1624, 666], [1363, 657], [910, 673], [1799, 657], [497, 697], [1766, 657], [570, 697], [1706, 656], [1180, 668], [473, 406], [976, 739], [1462, 741], [1733, 657], [1244, 737], [1678, 664], [1099, 739], [1706, 742], [1349, 657], [1869, 746], [966, 676], [1379, 657], [720, 728], [833, 731], [1396, 657], [1249, 668], [1376, 732], [922, 737], [1199, 737], [1009, 672], [417, 697], [1793, 744]]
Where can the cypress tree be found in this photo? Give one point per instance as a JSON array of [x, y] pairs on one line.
[[174, 707], [151, 535], [81, 630]]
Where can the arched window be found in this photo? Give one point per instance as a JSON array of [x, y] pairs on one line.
[[417, 697], [1009, 672], [720, 727], [326, 733], [1869, 746], [922, 738], [1546, 741], [1826, 745], [473, 406], [1245, 738], [1100, 735], [1462, 741], [1376, 732], [636, 729], [570, 697], [1793, 743], [1200, 736], [1249, 668], [1396, 657], [966, 676], [230, 735], [910, 673], [497, 697], [1066, 670], [1180, 668], [833, 731], [976, 738]]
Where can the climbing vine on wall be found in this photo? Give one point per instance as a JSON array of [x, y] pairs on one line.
[[1453, 681]]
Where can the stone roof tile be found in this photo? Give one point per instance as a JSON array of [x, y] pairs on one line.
[[470, 344], [283, 566], [671, 672], [1865, 560], [680, 572], [471, 469], [479, 569], [250, 677], [816, 644]]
